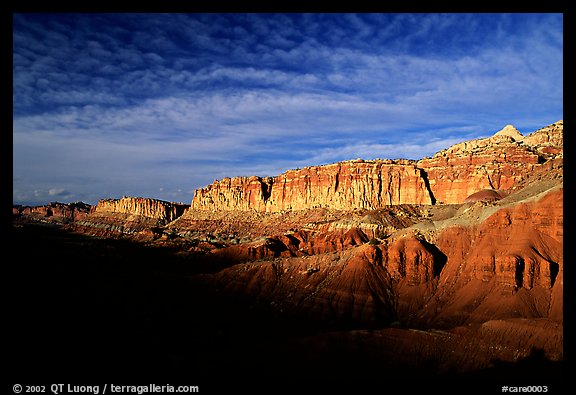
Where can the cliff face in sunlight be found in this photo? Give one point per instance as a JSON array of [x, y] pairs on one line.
[[500, 162], [340, 186], [133, 216], [149, 208]]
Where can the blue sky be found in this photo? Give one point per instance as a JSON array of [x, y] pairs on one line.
[[153, 105]]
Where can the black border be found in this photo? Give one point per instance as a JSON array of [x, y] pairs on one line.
[[550, 6]]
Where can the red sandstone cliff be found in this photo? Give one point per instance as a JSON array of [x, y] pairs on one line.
[[499, 162], [144, 207], [340, 186], [129, 216]]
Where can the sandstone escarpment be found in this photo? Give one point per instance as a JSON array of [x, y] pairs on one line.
[[144, 207], [54, 212], [501, 162], [339, 279], [140, 217], [412, 260], [295, 244], [522, 245], [547, 141], [341, 186]]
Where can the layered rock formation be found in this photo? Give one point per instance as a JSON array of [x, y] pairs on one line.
[[340, 186], [339, 285], [144, 207], [507, 266], [499, 162], [54, 212], [521, 247], [547, 141], [129, 216]]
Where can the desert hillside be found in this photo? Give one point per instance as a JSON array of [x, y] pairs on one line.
[[449, 265]]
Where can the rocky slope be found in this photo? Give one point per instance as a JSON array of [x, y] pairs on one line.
[[462, 251], [516, 249], [488, 278]]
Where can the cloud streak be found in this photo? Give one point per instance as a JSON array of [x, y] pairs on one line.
[[158, 105]]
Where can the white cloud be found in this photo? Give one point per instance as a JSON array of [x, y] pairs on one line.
[[58, 192]]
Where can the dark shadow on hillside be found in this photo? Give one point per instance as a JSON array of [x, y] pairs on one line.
[[534, 370], [440, 258], [424, 176], [80, 304], [536, 366], [84, 308]]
